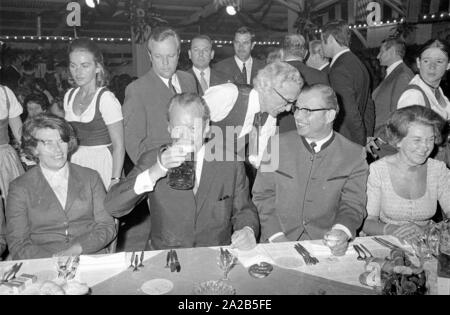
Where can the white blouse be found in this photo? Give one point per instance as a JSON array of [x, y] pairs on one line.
[[15, 109]]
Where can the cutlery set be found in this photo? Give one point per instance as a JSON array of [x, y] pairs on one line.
[[11, 273], [363, 252], [391, 246], [307, 257], [172, 259], [136, 262], [68, 269]]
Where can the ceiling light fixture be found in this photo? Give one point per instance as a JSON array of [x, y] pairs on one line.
[[231, 10], [92, 3]]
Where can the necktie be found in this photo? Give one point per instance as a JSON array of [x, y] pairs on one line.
[[313, 146], [171, 87], [244, 74], [439, 98], [260, 119], [203, 82]]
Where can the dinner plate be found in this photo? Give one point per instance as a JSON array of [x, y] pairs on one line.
[[157, 287]]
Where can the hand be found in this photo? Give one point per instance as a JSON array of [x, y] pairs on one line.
[[243, 239], [73, 250], [407, 231], [176, 154], [371, 146], [337, 241]]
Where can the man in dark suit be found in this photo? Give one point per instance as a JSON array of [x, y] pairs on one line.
[[316, 58], [387, 94], [350, 79], [201, 53], [146, 98], [294, 51], [241, 68], [216, 211], [319, 188]]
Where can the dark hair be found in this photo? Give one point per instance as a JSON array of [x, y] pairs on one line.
[[398, 43], [339, 30], [46, 121], [38, 98], [245, 30], [327, 93], [204, 37], [89, 45], [161, 33], [399, 122], [185, 100], [436, 43]]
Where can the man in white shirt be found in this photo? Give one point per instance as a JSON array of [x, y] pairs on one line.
[[216, 211], [319, 188], [387, 94], [201, 53], [241, 68], [277, 87]]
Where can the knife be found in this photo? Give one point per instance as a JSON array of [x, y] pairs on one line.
[[141, 259], [168, 258], [177, 263], [172, 263]]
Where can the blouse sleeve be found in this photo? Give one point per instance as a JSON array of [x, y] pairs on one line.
[[110, 108], [374, 192], [444, 189], [411, 97], [15, 109]]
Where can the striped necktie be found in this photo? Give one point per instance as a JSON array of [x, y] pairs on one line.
[[171, 87], [203, 82], [244, 74]]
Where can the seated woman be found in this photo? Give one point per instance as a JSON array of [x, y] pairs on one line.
[[403, 189], [56, 207]]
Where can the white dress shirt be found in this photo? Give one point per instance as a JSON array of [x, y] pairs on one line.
[[58, 181], [145, 184], [206, 75], [248, 66], [221, 99], [338, 55], [317, 149], [175, 82], [392, 67]]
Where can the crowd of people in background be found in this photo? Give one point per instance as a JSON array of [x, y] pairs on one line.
[[354, 133]]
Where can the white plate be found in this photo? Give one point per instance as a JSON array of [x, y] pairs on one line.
[[157, 287]]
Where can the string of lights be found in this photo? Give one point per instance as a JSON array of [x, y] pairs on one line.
[[110, 39]]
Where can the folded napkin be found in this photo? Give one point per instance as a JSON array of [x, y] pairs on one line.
[[251, 257]]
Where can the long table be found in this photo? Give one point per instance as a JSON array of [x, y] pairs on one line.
[[110, 274]]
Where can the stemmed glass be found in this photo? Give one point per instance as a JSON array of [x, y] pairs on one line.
[[226, 262]]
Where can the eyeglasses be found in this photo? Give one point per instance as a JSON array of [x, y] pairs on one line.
[[308, 111], [288, 102]]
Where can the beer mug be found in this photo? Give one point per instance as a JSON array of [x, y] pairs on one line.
[[183, 176]]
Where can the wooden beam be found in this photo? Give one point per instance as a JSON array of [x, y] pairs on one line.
[[290, 6], [204, 12]]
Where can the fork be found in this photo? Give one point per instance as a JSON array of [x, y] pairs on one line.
[[391, 246], [309, 260], [360, 252], [367, 251]]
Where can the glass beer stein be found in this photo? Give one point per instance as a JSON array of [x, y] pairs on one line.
[[183, 176]]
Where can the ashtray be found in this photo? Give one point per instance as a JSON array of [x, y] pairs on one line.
[[214, 287], [260, 270]]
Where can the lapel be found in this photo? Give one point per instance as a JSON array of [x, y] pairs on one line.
[[74, 188], [197, 82], [159, 85], [43, 190], [385, 83], [207, 177]]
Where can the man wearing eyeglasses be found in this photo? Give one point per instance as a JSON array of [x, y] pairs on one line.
[[319, 188], [253, 112]]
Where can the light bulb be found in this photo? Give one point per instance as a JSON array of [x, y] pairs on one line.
[[91, 3], [231, 10]]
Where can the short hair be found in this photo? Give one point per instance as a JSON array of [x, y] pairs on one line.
[[314, 45], [326, 92], [339, 30], [85, 44], [399, 122], [161, 33], [38, 98], [185, 100], [275, 55], [275, 74], [436, 43], [398, 43], [204, 37], [294, 44], [245, 30], [47, 121]]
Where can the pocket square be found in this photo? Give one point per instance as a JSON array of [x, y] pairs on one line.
[[337, 177]]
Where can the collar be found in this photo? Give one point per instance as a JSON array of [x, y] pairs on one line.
[[200, 154], [62, 173], [392, 67], [321, 144], [197, 71], [248, 63], [293, 59], [430, 86], [166, 81], [338, 55], [323, 66], [254, 106]]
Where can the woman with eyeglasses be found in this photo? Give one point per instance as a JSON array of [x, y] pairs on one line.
[[56, 208], [403, 189]]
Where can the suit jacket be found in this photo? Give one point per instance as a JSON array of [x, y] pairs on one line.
[[214, 79], [310, 193], [145, 111], [37, 224], [311, 76], [10, 77], [387, 94], [351, 81], [2, 230], [181, 219], [230, 71]]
